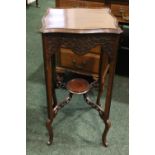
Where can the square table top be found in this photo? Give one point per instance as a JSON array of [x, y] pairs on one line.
[[79, 20]]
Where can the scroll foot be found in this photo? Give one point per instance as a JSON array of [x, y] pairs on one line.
[[104, 136], [50, 131]]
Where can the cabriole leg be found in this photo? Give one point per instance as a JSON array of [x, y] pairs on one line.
[[104, 135], [50, 131]]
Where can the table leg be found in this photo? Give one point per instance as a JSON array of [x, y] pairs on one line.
[[101, 85], [101, 82], [49, 68], [51, 98], [104, 135], [102, 76], [106, 120]]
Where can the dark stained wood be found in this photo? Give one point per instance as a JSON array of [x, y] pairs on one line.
[[50, 131], [49, 69], [107, 123], [94, 105], [63, 103], [80, 41], [102, 80]]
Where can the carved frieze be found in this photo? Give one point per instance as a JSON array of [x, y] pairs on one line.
[[81, 44]]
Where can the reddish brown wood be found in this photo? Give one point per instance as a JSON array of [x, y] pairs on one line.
[[78, 86], [50, 131], [107, 123], [103, 70], [93, 105], [63, 103], [79, 3], [119, 8], [80, 42], [50, 91], [82, 63], [83, 21]]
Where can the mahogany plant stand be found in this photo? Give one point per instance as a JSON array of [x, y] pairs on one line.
[[80, 33]]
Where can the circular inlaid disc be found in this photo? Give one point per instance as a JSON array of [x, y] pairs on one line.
[[78, 86]]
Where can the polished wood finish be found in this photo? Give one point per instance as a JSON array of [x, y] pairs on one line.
[[91, 68], [119, 8], [80, 41], [79, 3], [79, 20], [87, 63], [78, 86], [121, 12]]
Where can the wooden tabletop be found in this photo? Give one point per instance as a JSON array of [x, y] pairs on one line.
[[79, 20]]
